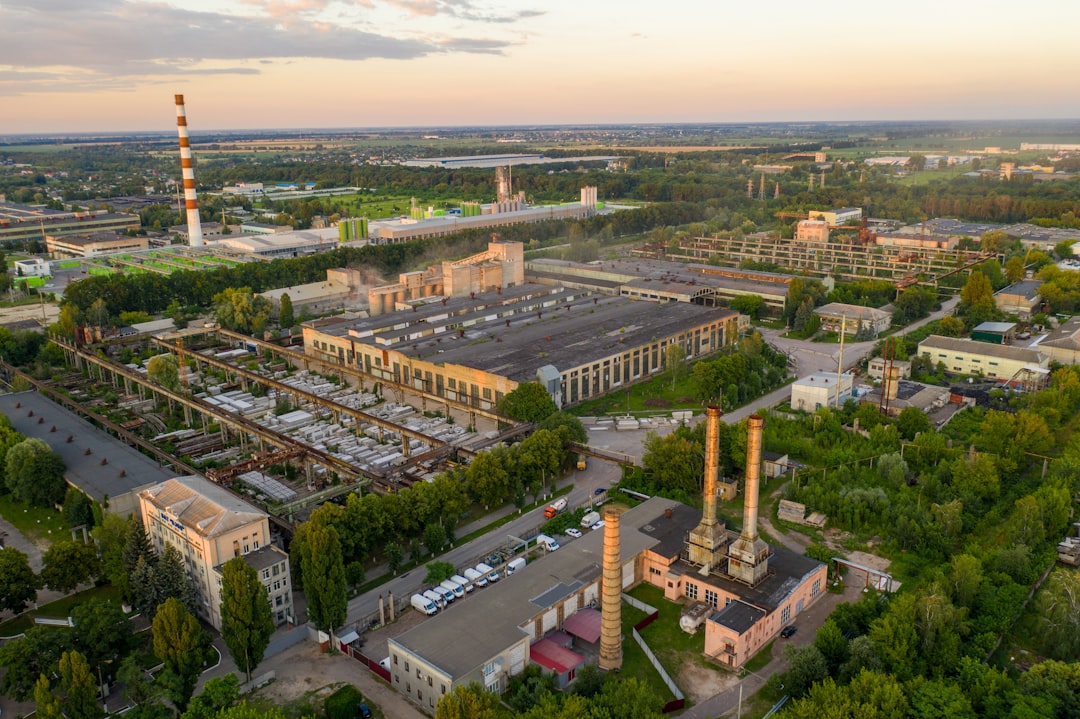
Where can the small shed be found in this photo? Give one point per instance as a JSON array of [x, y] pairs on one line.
[[560, 660], [773, 464], [995, 333]]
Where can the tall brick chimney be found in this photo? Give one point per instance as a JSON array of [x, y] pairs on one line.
[[611, 595]]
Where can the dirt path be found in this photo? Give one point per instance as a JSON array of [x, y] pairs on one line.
[[304, 671]]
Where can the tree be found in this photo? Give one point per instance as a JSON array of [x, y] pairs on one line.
[[489, 482], [912, 304], [218, 693], [239, 309], [438, 572], [111, 539], [35, 474], [977, 299], [1014, 269], [79, 686], [911, 422], [394, 553], [101, 632], [28, 657], [246, 622], [139, 687], [749, 305], [68, 564], [1064, 249], [164, 370], [675, 359], [806, 665], [434, 538], [286, 318], [1058, 616], [833, 646], [471, 702], [78, 511], [528, 402], [181, 644], [20, 584], [324, 578], [48, 704]]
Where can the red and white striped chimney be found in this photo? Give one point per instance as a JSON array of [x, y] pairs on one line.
[[191, 202]]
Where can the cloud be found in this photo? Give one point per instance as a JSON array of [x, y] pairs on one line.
[[118, 42], [461, 10]]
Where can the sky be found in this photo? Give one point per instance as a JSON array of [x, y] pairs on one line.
[[114, 65]]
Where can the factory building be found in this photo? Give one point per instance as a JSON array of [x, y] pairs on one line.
[[743, 590], [835, 218], [97, 464], [209, 525], [837, 316], [93, 245], [280, 244], [22, 222], [386, 232], [820, 389], [477, 348], [1020, 298], [996, 361]]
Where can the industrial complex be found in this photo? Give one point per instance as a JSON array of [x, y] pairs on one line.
[[742, 590]]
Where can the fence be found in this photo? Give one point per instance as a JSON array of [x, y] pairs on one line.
[[372, 664], [652, 615]]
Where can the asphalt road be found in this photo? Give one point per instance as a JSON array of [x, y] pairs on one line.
[[600, 474]]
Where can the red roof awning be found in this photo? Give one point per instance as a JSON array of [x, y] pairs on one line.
[[584, 624], [551, 656]]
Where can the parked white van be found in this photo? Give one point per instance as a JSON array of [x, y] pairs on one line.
[[423, 604], [476, 577], [447, 594], [515, 565], [436, 598], [462, 582], [457, 590], [590, 519], [488, 571], [548, 543]]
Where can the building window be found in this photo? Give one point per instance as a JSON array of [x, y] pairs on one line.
[[277, 601], [418, 672], [785, 615], [395, 660], [816, 588], [691, 590], [429, 681], [654, 570], [275, 571], [266, 573], [406, 666], [444, 689], [710, 598]]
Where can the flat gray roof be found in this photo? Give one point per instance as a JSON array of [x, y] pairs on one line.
[[994, 327], [126, 469], [577, 328], [1028, 289], [468, 634]]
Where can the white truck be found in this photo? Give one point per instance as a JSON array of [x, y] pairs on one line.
[[590, 519], [454, 587], [476, 577], [422, 604], [447, 594], [515, 565], [462, 582]]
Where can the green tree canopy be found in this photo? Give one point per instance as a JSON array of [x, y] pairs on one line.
[[528, 402], [246, 623], [67, 564], [181, 644], [35, 474], [324, 577], [20, 584]]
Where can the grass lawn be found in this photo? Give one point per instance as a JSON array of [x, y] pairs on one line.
[[59, 609], [635, 663], [35, 523]]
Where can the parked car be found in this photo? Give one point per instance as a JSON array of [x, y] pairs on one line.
[[571, 532], [598, 525], [365, 711], [788, 631]]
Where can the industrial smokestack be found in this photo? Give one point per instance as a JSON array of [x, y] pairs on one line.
[[753, 477], [191, 202], [712, 462], [705, 543], [611, 595], [748, 556]]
